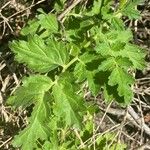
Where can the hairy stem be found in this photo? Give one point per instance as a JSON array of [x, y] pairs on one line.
[[69, 64]]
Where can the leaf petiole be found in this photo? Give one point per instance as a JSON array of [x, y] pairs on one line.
[[65, 67]]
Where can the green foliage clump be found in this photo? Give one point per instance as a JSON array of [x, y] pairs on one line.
[[92, 46]]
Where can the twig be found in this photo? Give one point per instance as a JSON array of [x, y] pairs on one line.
[[112, 129], [2, 66], [103, 117], [23, 10], [5, 5], [79, 137], [129, 137], [5, 21], [137, 119], [64, 13], [114, 111], [5, 83], [144, 147], [142, 117], [132, 116], [5, 142]]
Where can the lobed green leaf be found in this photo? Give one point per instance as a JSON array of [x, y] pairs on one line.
[[37, 128], [124, 81], [38, 55], [31, 90], [68, 105]]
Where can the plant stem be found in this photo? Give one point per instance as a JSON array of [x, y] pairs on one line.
[[102, 3], [64, 13], [65, 67]]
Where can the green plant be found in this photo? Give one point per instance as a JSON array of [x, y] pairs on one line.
[[91, 46]]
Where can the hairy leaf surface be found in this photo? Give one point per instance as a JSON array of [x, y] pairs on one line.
[[33, 87], [135, 55], [68, 103], [37, 128], [33, 91], [124, 81], [107, 64], [38, 55], [48, 21], [130, 10], [89, 49]]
